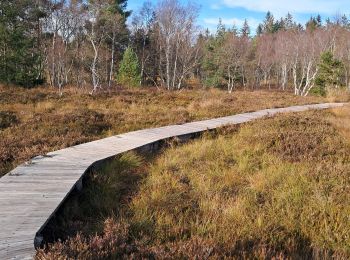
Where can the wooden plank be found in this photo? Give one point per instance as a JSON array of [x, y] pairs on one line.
[[32, 193]]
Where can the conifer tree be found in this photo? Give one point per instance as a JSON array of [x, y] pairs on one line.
[[20, 57], [259, 30], [330, 72], [269, 23], [245, 31], [221, 29], [129, 73], [289, 22]]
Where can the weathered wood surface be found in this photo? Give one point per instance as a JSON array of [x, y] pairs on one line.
[[31, 193]]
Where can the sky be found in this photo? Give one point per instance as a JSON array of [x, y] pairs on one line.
[[235, 11]]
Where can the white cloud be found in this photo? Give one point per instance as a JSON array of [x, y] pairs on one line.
[[229, 22], [281, 7], [215, 7]]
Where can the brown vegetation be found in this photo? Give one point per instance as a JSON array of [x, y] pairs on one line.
[[34, 122], [275, 188]]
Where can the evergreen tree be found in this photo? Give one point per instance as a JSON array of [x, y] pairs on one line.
[[330, 72], [212, 74], [289, 22], [120, 6], [245, 31], [269, 23], [345, 22], [259, 30], [328, 22], [278, 25], [314, 23], [129, 73], [300, 27], [319, 20], [20, 60], [221, 29], [233, 29]]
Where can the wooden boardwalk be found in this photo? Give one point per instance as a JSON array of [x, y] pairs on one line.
[[31, 194]]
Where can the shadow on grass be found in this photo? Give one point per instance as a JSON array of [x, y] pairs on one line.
[[107, 188]]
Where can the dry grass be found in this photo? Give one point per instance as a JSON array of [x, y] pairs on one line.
[[36, 121], [275, 188]]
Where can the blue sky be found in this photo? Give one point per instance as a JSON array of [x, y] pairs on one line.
[[235, 11]]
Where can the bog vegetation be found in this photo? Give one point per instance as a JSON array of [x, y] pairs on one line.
[[36, 121], [276, 188], [81, 43]]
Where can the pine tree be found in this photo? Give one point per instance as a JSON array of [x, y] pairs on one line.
[[269, 23], [233, 29], [319, 20], [129, 73], [330, 72], [278, 25], [212, 74], [345, 22], [259, 30], [221, 29], [245, 31], [119, 6], [314, 23], [289, 22], [20, 58]]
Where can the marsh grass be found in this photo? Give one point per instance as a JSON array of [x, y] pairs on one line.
[[37, 121], [274, 188], [108, 187]]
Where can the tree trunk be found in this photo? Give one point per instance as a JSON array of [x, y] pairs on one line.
[[111, 71], [95, 81]]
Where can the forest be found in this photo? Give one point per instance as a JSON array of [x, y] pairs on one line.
[[96, 45]]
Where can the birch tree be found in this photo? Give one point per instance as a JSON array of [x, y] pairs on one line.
[[305, 48], [96, 33], [142, 26], [176, 33], [232, 59]]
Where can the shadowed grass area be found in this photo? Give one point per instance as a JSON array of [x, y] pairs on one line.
[[278, 187], [36, 121], [107, 189]]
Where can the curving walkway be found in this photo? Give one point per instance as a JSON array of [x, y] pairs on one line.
[[31, 193]]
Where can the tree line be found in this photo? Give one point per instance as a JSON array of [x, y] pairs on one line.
[[96, 44]]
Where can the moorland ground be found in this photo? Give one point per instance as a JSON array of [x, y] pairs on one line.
[[277, 187], [36, 121]]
